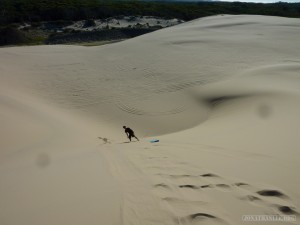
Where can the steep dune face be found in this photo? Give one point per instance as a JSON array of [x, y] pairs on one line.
[[156, 68], [224, 90], [50, 167]]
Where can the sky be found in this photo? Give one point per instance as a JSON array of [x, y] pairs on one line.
[[263, 1], [259, 1]]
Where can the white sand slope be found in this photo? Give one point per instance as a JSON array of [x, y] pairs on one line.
[[124, 22], [221, 93]]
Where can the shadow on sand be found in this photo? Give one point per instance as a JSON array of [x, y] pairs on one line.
[[127, 142]]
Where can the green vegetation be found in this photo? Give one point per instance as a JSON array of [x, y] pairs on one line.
[[47, 17], [18, 11], [96, 36], [89, 23], [10, 36]]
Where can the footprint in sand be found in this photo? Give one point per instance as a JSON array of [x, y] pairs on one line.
[[187, 212], [207, 186], [177, 176], [272, 193], [223, 187], [162, 185], [288, 210], [241, 184], [267, 197], [190, 183], [251, 198], [189, 186], [209, 175], [204, 218]]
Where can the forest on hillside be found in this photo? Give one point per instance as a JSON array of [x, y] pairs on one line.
[[19, 11], [29, 21]]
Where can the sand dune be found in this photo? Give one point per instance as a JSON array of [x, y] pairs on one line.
[[220, 93]]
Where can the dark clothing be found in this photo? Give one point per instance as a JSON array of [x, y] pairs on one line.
[[130, 133]]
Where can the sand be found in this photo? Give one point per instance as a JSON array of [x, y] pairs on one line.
[[125, 22], [220, 93]]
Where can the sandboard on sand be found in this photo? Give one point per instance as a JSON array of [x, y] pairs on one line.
[[154, 140]]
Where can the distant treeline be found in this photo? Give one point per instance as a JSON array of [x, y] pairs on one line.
[[16, 11], [100, 35]]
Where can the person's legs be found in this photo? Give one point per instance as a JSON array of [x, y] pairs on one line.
[[135, 137], [129, 136]]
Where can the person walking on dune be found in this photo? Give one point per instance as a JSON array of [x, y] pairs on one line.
[[129, 133]]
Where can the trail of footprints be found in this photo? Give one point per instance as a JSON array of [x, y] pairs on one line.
[[184, 189]]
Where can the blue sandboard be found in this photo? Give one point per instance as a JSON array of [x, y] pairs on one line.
[[154, 140]]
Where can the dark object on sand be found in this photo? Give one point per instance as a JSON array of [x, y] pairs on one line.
[[130, 133]]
